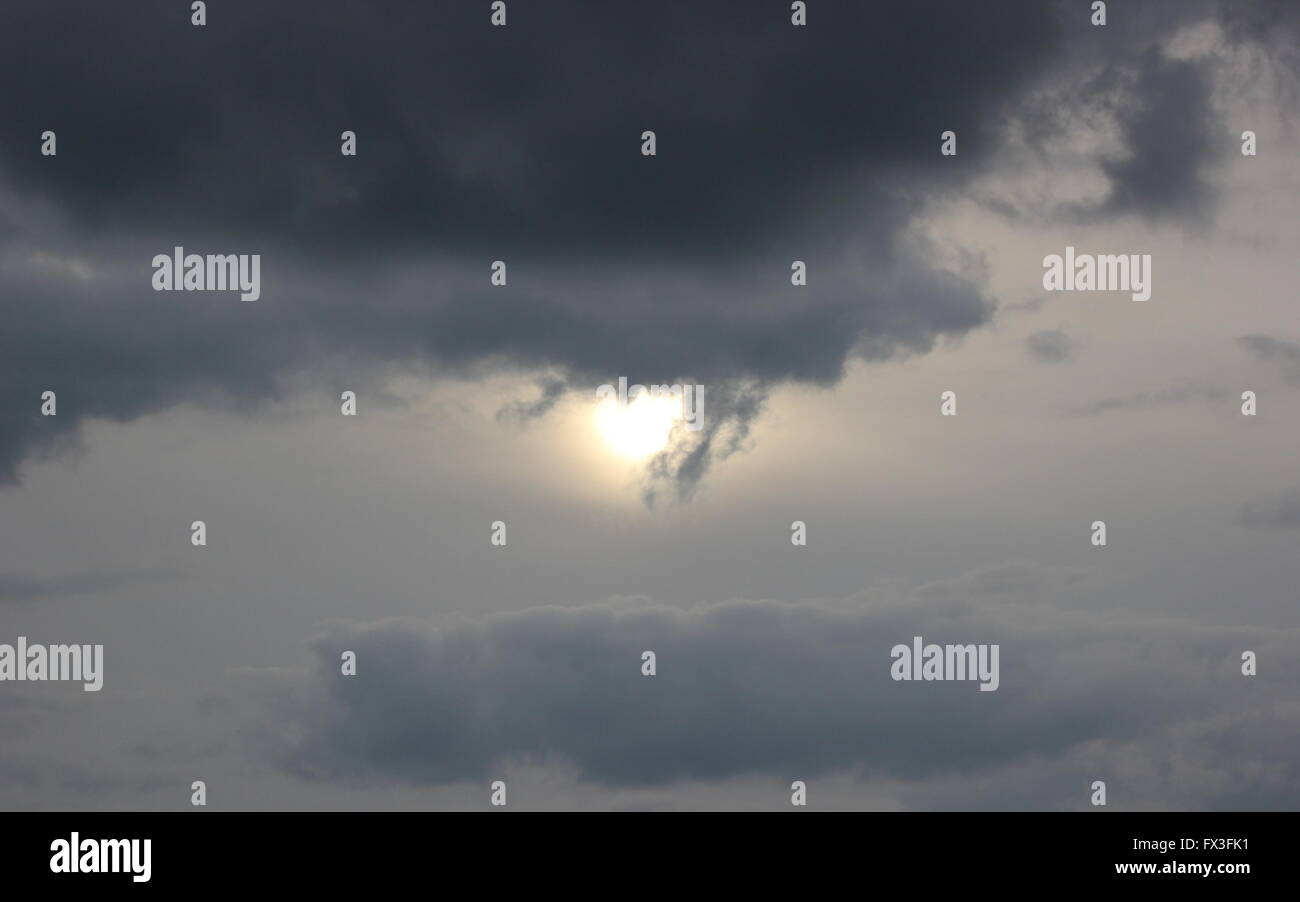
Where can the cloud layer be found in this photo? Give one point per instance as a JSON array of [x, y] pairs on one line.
[[780, 690], [478, 144]]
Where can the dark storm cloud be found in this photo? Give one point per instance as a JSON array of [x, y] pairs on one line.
[[1280, 511], [1051, 346], [1169, 138], [521, 144], [786, 690], [525, 137]]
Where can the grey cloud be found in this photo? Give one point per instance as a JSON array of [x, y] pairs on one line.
[[1167, 128], [521, 412], [1052, 346], [16, 588], [728, 411], [1275, 25], [1029, 305], [761, 688], [1280, 511], [478, 144], [1275, 350], [526, 137], [725, 329], [1021, 581], [1150, 400], [1170, 136]]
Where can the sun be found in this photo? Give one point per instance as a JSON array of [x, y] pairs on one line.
[[639, 428]]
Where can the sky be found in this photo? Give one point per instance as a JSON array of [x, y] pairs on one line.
[[476, 403]]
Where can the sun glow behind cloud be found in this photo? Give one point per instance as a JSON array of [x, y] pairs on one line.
[[639, 428]]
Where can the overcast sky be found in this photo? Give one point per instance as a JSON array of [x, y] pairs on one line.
[[476, 403]]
